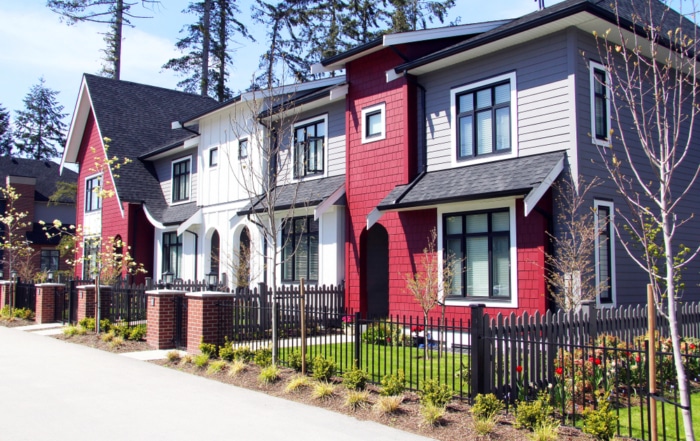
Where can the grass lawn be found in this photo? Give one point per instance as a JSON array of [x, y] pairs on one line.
[[634, 416], [379, 360]]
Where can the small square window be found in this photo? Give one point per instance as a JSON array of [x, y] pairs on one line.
[[243, 148], [374, 123], [213, 157]]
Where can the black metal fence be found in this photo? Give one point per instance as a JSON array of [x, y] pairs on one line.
[[25, 295], [125, 302]]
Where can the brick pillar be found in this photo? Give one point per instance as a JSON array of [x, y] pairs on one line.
[[162, 318], [203, 318], [45, 310], [105, 300], [86, 301], [4, 293]]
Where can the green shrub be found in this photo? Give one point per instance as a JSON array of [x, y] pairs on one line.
[[22, 313], [357, 399], [119, 328], [323, 368], [137, 333], [216, 366], [297, 383], [384, 333], [108, 336], [530, 415], [294, 360], [244, 354], [601, 423], [105, 325], [393, 384], [432, 414], [70, 330], [226, 353], [88, 323], [546, 432], [435, 394], [263, 357], [201, 360], [323, 391], [355, 378], [485, 426], [269, 374], [208, 349], [486, 406], [173, 356]]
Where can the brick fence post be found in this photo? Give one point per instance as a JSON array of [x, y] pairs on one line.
[[105, 301], [203, 318], [4, 292], [45, 309], [162, 318], [86, 302]]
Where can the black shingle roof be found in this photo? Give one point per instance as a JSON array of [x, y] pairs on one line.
[[175, 214], [516, 176], [304, 194], [137, 118], [45, 172]]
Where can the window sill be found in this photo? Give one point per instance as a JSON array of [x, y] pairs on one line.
[[491, 303]]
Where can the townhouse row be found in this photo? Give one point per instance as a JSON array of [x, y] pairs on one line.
[[464, 130]]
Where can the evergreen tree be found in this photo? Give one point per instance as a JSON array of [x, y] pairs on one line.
[[115, 13], [412, 15], [38, 128], [6, 142]]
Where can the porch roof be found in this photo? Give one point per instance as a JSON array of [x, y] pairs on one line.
[[303, 194]]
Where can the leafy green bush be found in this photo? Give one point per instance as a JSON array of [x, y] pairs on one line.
[[269, 374], [323, 368], [244, 354], [435, 394], [530, 415], [355, 378], [601, 423], [393, 384], [119, 328], [294, 360], [137, 333], [226, 353], [486, 406], [105, 325], [22, 313], [208, 349], [385, 334], [432, 414], [263, 357], [88, 323], [201, 360]]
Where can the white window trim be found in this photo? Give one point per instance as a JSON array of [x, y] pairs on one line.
[[324, 118], [611, 207], [593, 66], [491, 204], [218, 157], [89, 178], [189, 182], [510, 77], [381, 107], [238, 148]]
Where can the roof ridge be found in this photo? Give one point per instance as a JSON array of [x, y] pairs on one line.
[[134, 83]]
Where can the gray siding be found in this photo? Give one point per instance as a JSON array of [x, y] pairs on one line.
[[164, 169], [544, 122]]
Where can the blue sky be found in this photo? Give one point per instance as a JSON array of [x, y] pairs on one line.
[[35, 43]]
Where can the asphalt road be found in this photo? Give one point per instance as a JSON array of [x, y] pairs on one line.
[[52, 390]]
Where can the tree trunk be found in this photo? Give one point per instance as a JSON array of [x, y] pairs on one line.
[[206, 40], [221, 81], [118, 24]]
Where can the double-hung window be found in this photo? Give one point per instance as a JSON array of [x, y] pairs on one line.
[[300, 252], [93, 201], [181, 180], [309, 142], [600, 104], [49, 260], [604, 252], [483, 117], [91, 252], [477, 247], [172, 253]]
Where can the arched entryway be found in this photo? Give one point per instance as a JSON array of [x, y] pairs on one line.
[[375, 275]]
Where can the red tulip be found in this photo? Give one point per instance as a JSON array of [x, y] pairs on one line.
[[559, 371], [518, 369]]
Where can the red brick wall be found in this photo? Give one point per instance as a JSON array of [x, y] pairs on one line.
[[25, 202], [161, 317]]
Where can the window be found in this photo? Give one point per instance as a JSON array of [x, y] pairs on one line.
[[483, 121], [214, 255], [172, 254], [213, 157], [49, 260], [93, 201], [309, 142], [477, 245], [600, 104], [373, 124], [243, 148], [181, 180], [605, 252], [91, 252], [300, 252]]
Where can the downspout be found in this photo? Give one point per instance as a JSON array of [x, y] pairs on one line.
[[196, 252]]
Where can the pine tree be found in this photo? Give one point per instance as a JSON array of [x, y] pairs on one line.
[[115, 13], [412, 15], [6, 142], [38, 128]]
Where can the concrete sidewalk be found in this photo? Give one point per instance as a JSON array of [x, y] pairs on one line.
[[53, 390]]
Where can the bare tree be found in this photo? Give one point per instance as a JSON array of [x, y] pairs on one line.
[[652, 65], [570, 271], [16, 248]]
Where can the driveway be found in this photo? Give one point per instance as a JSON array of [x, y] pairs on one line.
[[53, 390]]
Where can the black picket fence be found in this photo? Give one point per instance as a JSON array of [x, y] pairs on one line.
[[125, 302], [25, 295]]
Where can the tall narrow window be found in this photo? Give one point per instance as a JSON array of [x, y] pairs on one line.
[[600, 103], [605, 251], [243, 148], [309, 142], [181, 180], [213, 157], [214, 256], [300, 252], [93, 201], [483, 121], [172, 253], [243, 269], [91, 251], [478, 246]]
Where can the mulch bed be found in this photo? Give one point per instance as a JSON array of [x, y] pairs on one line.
[[15, 322], [94, 341]]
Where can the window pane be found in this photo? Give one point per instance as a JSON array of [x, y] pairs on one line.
[[466, 136], [599, 85], [500, 221], [477, 266], [604, 264], [287, 260], [320, 129], [374, 124], [501, 266], [483, 98], [453, 225], [466, 103], [502, 93], [484, 132], [600, 118], [214, 157], [313, 257], [477, 223], [503, 128], [454, 256]]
